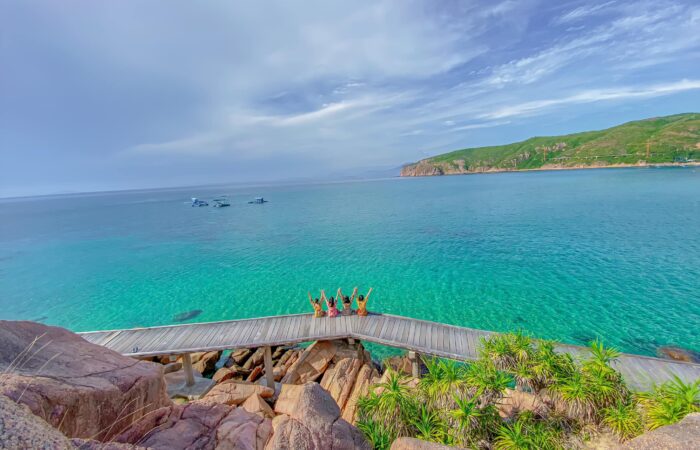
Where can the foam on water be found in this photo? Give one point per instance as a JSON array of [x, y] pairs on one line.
[[565, 255]]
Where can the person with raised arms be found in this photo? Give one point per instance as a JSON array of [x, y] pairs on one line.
[[330, 303], [347, 302], [362, 303], [316, 304]]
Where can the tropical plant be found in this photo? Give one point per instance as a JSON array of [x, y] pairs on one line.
[[471, 422], [485, 381], [429, 426], [670, 402], [624, 420], [443, 379], [376, 433], [528, 433]]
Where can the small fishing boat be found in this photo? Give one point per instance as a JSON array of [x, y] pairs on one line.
[[220, 203], [198, 202], [257, 201]]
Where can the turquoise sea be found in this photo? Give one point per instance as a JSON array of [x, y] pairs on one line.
[[567, 255]]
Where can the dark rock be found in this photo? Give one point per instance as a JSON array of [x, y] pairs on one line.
[[187, 315], [678, 354]]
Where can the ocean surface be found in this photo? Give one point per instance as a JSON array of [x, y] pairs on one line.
[[567, 255]]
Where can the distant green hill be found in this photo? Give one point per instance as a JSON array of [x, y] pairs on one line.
[[660, 140]]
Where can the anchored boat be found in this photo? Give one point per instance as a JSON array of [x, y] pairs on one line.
[[198, 202], [257, 201]]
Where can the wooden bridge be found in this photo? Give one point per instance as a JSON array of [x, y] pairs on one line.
[[416, 336]]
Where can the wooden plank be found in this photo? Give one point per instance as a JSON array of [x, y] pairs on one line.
[[425, 337]]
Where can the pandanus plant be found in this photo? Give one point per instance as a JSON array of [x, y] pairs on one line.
[[670, 402]]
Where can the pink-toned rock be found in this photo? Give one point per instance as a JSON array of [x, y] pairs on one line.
[[284, 357], [206, 362], [360, 389], [311, 364], [255, 359], [223, 374], [310, 419], [257, 405], [340, 380], [20, 429], [235, 392], [239, 356], [87, 390], [255, 374], [198, 426]]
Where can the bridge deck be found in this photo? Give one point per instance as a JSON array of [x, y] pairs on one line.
[[427, 338]]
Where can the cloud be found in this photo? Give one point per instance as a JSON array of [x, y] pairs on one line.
[[591, 96], [236, 89], [582, 12]]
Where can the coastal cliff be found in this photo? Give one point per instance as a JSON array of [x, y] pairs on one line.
[[670, 140]]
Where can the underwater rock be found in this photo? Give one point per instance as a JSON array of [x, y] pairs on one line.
[[187, 315], [678, 354]]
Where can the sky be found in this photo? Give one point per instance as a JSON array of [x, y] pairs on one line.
[[134, 94]]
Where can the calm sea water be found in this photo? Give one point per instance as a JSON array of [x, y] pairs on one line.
[[565, 255]]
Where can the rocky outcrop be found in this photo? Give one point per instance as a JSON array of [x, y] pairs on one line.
[[198, 426], [421, 169], [310, 419], [257, 405], [311, 364], [365, 377], [407, 443], [19, 429], [85, 389], [235, 392], [680, 436], [678, 354]]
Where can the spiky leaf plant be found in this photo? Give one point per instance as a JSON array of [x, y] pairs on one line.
[[624, 420], [376, 433], [670, 402], [429, 426]]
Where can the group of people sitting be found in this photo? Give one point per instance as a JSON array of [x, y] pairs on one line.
[[346, 302]]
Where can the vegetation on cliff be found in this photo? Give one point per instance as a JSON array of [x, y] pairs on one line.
[[520, 394], [660, 140]]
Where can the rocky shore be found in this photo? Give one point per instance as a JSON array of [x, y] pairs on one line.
[[427, 168], [57, 391]]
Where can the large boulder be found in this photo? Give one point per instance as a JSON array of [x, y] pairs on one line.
[[340, 379], [361, 387], [310, 419], [85, 390], [680, 436], [198, 426], [257, 405], [235, 392], [311, 364], [19, 429], [408, 443]]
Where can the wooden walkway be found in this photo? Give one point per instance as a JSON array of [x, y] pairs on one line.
[[423, 337]]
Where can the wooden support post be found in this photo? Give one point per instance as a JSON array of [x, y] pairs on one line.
[[187, 367], [269, 369], [415, 368]]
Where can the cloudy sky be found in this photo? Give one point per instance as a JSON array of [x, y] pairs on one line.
[[128, 94]]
